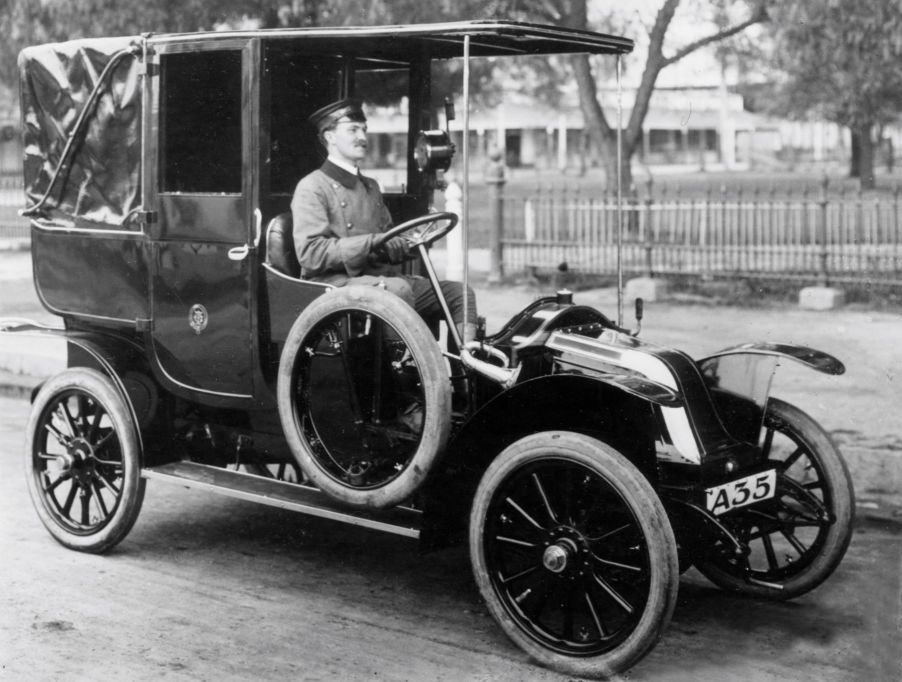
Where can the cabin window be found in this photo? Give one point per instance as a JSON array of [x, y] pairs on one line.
[[385, 93], [201, 122], [297, 84]]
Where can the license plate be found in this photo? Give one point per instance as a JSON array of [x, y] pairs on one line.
[[741, 492]]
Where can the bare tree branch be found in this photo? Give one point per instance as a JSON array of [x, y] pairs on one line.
[[759, 15]]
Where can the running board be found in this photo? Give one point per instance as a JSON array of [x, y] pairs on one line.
[[294, 496]]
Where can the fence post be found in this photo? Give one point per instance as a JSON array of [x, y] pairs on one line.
[[495, 178], [895, 240], [821, 296], [822, 276], [646, 227], [454, 269], [710, 237]]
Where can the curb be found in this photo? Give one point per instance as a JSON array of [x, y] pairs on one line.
[[876, 513], [15, 244]]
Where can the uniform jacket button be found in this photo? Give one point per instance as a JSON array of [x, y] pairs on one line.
[[350, 225]]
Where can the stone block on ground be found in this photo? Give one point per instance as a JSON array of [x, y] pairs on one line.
[[821, 298]]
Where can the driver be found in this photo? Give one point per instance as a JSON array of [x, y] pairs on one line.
[[338, 214]]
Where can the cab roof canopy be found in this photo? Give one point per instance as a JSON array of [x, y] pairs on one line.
[[82, 102], [440, 41]]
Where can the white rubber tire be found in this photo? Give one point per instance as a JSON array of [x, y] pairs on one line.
[[427, 355]]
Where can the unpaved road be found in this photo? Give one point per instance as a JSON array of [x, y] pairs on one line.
[[209, 588]]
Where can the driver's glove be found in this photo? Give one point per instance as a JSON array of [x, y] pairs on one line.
[[395, 250]]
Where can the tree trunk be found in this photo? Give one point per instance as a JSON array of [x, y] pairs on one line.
[[601, 135], [866, 157], [609, 160], [855, 155]]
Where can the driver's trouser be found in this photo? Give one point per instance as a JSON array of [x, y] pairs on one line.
[[417, 292]]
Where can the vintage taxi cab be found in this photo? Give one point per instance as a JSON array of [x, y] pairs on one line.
[[585, 467]]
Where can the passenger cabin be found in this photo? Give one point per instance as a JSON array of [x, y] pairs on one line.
[[155, 164]]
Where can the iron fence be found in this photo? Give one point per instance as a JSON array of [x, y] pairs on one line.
[[811, 236]]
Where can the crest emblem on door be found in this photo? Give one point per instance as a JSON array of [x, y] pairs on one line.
[[198, 318]]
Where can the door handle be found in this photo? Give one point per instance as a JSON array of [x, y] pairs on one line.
[[239, 252]]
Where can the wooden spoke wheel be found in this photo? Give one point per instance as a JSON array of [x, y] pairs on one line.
[[573, 553], [798, 539], [83, 462]]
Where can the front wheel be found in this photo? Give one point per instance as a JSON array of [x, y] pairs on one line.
[[573, 553], [798, 539], [82, 461]]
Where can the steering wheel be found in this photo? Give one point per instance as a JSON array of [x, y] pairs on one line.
[[437, 226]]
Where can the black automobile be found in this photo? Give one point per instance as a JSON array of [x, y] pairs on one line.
[[585, 467]]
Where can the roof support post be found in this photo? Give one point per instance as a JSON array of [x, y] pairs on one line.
[[619, 191], [465, 228]]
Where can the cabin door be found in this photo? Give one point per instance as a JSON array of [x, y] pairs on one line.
[[203, 309]]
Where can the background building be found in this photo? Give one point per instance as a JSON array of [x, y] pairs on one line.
[[687, 129]]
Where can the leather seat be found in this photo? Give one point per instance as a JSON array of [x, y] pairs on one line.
[[280, 252]]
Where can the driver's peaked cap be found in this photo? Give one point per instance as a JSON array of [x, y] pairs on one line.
[[350, 108]]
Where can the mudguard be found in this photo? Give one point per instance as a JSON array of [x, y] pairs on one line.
[[693, 425], [567, 402], [810, 357], [739, 379], [106, 350]]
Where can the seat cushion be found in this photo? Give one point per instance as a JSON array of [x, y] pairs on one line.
[[280, 246]]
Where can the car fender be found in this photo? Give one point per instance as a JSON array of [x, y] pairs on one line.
[[693, 426], [575, 402], [809, 357], [104, 352], [560, 402], [739, 379]]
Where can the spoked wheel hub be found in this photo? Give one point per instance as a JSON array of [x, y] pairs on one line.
[[79, 462], [67, 462], [567, 553]]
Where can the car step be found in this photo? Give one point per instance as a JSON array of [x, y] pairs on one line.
[[294, 496]]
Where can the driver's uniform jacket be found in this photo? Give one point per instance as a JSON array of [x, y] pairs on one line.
[[336, 217]]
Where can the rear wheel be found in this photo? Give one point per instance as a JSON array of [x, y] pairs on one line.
[[573, 553], [82, 461], [798, 539], [364, 396]]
